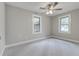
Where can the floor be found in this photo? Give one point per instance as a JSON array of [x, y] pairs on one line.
[[47, 47]]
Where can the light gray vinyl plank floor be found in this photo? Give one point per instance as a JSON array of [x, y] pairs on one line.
[[46, 47]]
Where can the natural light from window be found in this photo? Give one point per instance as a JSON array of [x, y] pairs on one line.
[[64, 24], [36, 24]]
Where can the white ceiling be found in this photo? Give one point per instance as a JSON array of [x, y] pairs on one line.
[[35, 6]]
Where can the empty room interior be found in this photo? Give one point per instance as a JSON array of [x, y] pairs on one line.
[[39, 28]]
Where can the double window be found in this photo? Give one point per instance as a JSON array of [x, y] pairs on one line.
[[64, 24]]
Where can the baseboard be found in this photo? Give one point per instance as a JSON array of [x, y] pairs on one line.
[[24, 42], [66, 39], [2, 51]]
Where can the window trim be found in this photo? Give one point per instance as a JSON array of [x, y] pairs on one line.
[[59, 29], [33, 24]]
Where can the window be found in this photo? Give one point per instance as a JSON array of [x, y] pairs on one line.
[[64, 24], [36, 24]]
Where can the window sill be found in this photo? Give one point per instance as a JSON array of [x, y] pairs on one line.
[[65, 32], [36, 32]]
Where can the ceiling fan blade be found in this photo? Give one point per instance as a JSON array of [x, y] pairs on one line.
[[42, 8], [58, 9], [55, 3]]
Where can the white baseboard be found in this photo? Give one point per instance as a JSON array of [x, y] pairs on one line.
[[38, 39], [25, 42], [66, 39], [2, 51]]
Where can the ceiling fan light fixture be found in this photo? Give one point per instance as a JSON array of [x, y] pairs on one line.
[[50, 8], [49, 12]]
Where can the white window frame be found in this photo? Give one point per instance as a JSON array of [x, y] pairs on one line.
[[33, 24], [59, 25]]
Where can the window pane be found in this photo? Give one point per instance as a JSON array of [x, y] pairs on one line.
[[64, 28], [64, 24], [36, 27], [36, 22], [64, 20]]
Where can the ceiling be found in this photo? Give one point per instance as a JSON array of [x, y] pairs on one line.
[[35, 6]]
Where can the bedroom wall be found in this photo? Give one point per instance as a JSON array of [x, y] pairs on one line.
[[74, 35], [2, 27], [19, 25]]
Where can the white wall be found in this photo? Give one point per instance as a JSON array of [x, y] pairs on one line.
[[19, 25], [74, 35], [2, 26]]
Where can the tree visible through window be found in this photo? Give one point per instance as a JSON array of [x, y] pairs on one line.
[[64, 24]]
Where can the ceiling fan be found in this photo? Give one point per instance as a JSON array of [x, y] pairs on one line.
[[50, 8]]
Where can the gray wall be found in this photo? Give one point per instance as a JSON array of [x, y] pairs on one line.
[[19, 25], [74, 35], [2, 26]]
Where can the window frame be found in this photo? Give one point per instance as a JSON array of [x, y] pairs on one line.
[[59, 24], [33, 32]]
